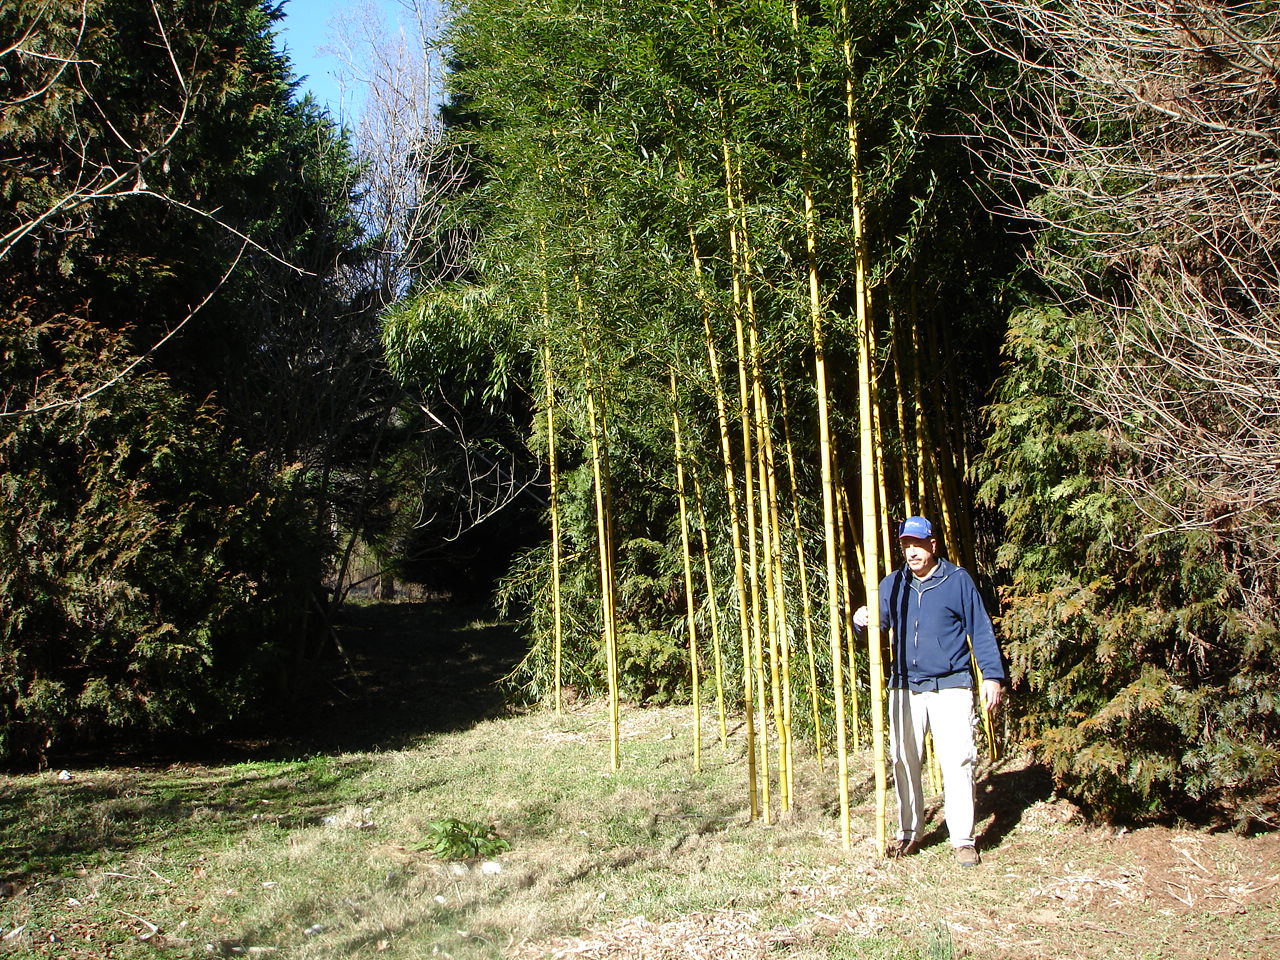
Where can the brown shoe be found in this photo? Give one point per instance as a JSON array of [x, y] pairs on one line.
[[967, 856], [897, 849]]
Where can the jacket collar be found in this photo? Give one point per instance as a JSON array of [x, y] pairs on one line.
[[940, 573]]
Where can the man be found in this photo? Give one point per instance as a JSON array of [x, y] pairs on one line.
[[935, 612]]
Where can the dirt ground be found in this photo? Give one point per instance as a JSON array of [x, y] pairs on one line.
[[1093, 891]]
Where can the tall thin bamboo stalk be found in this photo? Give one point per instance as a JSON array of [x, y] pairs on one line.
[[826, 458], [926, 468], [775, 594], [722, 420], [712, 611], [604, 539], [827, 468], [553, 482], [802, 568], [866, 430], [744, 571], [735, 528], [882, 489], [765, 646], [847, 530], [553, 488], [782, 657], [690, 608], [553, 479], [871, 521], [897, 344], [730, 478], [753, 666], [731, 496]]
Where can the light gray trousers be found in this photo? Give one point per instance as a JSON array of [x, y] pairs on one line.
[[950, 717]]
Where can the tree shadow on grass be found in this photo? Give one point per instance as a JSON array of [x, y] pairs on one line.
[[403, 671], [1004, 794], [51, 826], [393, 673]]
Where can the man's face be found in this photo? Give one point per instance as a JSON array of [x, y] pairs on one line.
[[920, 554]]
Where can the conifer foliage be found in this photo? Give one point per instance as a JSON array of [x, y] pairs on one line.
[[1136, 437], [172, 219]]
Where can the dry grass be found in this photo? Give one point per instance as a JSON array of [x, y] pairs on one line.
[[318, 859]]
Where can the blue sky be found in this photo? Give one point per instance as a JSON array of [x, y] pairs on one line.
[[306, 27]]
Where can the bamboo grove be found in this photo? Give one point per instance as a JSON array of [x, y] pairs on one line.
[[734, 248], [730, 257]]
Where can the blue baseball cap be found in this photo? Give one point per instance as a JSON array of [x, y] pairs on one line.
[[917, 527]]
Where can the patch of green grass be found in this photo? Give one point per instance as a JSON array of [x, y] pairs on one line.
[[317, 858], [930, 943], [322, 858]]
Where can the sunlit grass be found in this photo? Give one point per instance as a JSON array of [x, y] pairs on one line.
[[322, 858]]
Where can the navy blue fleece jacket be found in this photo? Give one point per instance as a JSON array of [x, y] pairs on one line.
[[931, 620]]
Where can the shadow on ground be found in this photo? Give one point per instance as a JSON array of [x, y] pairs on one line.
[[393, 673], [1003, 793], [396, 673]]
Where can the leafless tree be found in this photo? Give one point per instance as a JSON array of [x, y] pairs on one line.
[[1145, 139], [472, 463], [392, 78]]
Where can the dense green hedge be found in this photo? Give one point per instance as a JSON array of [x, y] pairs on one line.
[[155, 574], [170, 230], [1147, 677]]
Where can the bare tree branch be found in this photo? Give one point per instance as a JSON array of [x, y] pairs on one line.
[[1148, 139], [98, 175], [141, 358]]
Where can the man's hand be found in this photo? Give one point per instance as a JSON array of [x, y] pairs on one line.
[[992, 694], [860, 618]]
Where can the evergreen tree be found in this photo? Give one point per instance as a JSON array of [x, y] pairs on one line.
[[176, 348], [1133, 452]]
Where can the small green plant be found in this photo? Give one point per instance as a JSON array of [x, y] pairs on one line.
[[939, 945], [453, 839]]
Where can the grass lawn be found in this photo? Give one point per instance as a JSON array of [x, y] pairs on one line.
[[330, 853]]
